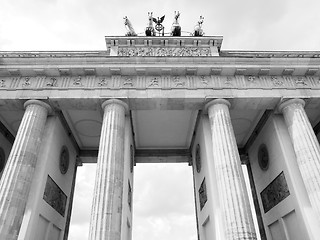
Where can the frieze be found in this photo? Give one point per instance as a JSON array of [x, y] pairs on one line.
[[54, 196], [164, 52], [66, 54], [275, 192], [165, 82]]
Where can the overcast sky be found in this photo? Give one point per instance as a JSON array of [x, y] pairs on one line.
[[39, 25], [82, 24]]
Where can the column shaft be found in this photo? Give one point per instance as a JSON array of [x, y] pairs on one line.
[[18, 174], [238, 222], [106, 212], [306, 147]]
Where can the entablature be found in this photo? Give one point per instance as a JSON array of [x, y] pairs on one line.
[[108, 66]]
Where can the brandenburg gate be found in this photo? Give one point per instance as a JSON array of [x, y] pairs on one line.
[[161, 99]]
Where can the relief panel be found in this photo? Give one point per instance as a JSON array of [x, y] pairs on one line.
[[164, 52], [203, 194], [275, 192], [55, 197]]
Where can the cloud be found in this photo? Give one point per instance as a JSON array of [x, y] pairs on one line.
[[82, 25], [166, 192], [163, 202], [83, 196]]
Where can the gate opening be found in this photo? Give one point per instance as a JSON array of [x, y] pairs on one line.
[[163, 202]]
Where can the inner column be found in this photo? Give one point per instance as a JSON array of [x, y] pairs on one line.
[[106, 211], [238, 222]]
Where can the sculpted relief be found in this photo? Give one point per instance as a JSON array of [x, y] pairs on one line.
[[164, 52], [161, 81]]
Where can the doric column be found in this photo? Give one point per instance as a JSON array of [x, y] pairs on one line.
[[106, 211], [306, 147], [233, 198], [17, 176]]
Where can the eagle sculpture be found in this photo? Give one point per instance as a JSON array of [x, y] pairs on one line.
[[159, 27], [158, 21]]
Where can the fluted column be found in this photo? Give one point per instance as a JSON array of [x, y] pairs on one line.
[[233, 198], [306, 147], [106, 211], [17, 176]]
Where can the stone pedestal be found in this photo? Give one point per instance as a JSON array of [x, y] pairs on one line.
[[18, 174], [306, 147], [233, 198], [106, 212]]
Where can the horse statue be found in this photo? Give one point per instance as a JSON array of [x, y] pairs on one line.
[[198, 28], [149, 29], [176, 29], [128, 25]]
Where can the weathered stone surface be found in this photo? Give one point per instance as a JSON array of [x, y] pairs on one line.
[[238, 223], [275, 192], [107, 206], [18, 174], [54, 196], [306, 147]]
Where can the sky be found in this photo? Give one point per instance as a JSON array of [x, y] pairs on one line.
[[56, 25], [82, 24], [163, 203]]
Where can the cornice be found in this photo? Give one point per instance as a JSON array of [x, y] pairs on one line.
[[181, 41]]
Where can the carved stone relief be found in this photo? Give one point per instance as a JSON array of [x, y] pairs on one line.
[[203, 194], [164, 52], [2, 83], [52, 82], [165, 82], [26, 82], [275, 192], [103, 82], [263, 157], [64, 160], [77, 81], [55, 197]]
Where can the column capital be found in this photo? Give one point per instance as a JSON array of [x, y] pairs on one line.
[[217, 101], [40, 103], [115, 101], [289, 102]]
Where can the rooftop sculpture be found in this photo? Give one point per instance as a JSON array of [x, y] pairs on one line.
[[158, 29], [198, 28], [128, 25], [176, 28]]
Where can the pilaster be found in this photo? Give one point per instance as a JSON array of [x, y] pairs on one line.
[[238, 223], [107, 202], [18, 174]]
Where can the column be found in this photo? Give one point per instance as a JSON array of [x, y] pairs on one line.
[[18, 173], [233, 198], [106, 211], [306, 147]]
